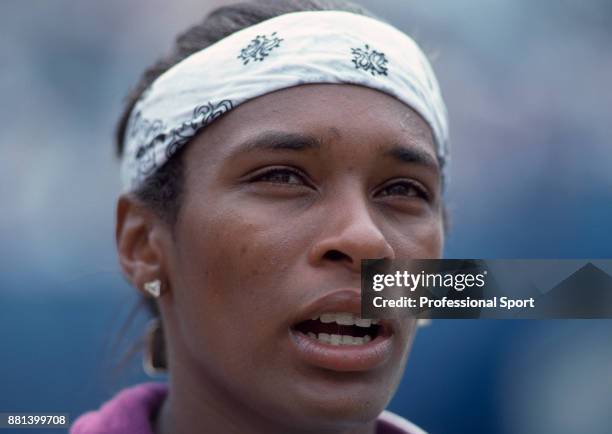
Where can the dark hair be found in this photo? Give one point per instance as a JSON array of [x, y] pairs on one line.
[[162, 191]]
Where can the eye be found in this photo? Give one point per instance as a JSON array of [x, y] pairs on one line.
[[405, 188], [280, 176]]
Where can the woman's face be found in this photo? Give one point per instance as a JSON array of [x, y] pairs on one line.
[[284, 196]]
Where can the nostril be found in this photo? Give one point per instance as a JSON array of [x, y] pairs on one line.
[[336, 255]]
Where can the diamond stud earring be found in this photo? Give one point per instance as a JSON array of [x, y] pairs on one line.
[[423, 322], [153, 287]]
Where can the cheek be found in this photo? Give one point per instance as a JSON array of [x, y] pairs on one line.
[[421, 240], [232, 264]]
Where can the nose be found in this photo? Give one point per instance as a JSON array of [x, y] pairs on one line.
[[351, 235]]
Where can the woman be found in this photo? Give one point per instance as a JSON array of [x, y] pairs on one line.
[[270, 154]]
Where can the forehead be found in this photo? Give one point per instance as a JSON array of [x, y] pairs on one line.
[[330, 112]]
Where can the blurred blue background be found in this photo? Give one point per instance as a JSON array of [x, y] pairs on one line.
[[528, 89]]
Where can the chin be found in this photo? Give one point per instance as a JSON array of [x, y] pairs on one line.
[[341, 399]]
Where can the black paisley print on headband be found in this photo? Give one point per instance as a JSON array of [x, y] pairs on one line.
[[370, 60], [259, 48], [150, 133]]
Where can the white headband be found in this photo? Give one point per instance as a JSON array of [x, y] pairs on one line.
[[285, 51]]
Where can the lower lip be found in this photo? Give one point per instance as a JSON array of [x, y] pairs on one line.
[[343, 357]]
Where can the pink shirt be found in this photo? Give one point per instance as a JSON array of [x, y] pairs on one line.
[[131, 411]]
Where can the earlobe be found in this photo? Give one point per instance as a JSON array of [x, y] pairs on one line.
[[138, 246]]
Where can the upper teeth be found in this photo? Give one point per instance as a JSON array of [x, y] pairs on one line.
[[345, 318]]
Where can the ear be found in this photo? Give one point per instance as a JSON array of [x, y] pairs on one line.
[[140, 237]]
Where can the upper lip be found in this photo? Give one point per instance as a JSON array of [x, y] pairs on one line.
[[338, 300]]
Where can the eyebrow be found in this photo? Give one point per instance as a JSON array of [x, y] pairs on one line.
[[284, 141], [278, 141], [412, 155]]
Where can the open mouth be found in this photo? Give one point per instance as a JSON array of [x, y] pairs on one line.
[[329, 333], [340, 328]]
